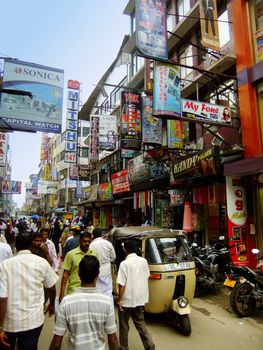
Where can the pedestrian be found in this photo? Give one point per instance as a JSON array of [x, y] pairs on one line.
[[50, 246], [106, 255], [5, 251], [22, 279], [86, 314], [56, 233], [38, 248], [72, 242], [132, 281], [71, 265]]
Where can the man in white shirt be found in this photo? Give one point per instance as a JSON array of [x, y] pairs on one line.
[[5, 251], [132, 280], [106, 255], [22, 279], [51, 248]]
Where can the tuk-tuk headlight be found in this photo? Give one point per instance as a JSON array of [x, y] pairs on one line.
[[182, 301]]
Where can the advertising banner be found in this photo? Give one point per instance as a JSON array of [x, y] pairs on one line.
[[47, 187], [32, 194], [105, 192], [205, 112], [47, 172], [44, 111], [138, 170], [3, 148], [209, 24], [151, 31], [94, 138], [206, 163], [44, 146], [120, 182], [108, 132], [166, 90], [151, 126], [237, 218], [131, 121], [175, 134], [9, 186]]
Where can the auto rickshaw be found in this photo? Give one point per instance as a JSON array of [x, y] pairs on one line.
[[172, 269]]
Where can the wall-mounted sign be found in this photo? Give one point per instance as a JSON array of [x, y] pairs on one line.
[[138, 170], [175, 133], [120, 182], [205, 112], [3, 148], [151, 125], [9, 186], [108, 132], [105, 192], [94, 138], [151, 32], [131, 121], [166, 90], [44, 146], [41, 113], [47, 187]]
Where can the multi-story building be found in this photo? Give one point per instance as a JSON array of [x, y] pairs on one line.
[[216, 203]]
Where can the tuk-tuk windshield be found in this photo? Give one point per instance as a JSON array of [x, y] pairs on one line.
[[160, 250]]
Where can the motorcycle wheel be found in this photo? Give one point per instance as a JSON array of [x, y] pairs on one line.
[[240, 300], [185, 325]]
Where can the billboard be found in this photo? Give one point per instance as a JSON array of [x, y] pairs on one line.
[[151, 126], [44, 111], [108, 132], [131, 121], [166, 90], [151, 31], [94, 138], [9, 186], [3, 148], [206, 112], [44, 146], [209, 24], [47, 187], [175, 134]]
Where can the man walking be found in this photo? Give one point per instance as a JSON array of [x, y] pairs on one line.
[[86, 314], [106, 255], [71, 265], [5, 251], [22, 279], [132, 280]]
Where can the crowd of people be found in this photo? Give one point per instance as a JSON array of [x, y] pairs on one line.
[[31, 262]]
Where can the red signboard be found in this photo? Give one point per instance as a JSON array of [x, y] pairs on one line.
[[120, 182]]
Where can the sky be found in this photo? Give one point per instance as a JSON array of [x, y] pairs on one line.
[[82, 37]]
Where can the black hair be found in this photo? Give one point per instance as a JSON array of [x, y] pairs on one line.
[[43, 229], [24, 240], [37, 234], [84, 234], [97, 232], [89, 268], [130, 246]]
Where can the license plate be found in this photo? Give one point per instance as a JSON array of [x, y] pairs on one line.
[[180, 266], [229, 283]]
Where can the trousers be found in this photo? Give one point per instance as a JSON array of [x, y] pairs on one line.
[[137, 315], [26, 340]]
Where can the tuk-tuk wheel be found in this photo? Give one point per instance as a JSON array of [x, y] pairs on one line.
[[185, 325]]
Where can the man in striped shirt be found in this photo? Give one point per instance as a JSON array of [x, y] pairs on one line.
[[22, 279], [86, 314]]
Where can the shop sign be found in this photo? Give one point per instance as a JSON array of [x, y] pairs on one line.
[[151, 28], [3, 148], [120, 182], [206, 112], [129, 153], [9, 186], [138, 170], [91, 193], [151, 125], [108, 132], [157, 170], [105, 191], [206, 163], [44, 146], [175, 134], [47, 187], [177, 196], [131, 121], [209, 24], [94, 139]]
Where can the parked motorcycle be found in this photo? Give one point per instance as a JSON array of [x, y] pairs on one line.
[[245, 296]]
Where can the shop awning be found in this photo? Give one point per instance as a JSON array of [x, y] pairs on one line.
[[244, 167]]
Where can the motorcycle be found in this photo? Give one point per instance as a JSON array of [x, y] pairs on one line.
[[246, 294]]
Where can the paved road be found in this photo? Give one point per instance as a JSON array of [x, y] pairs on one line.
[[214, 326]]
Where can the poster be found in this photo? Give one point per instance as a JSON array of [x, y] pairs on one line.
[[209, 24], [175, 134], [108, 132], [151, 125]]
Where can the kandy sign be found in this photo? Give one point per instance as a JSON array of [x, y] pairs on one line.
[[205, 112], [200, 164]]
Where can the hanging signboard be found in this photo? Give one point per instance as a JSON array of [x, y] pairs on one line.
[[138, 170], [108, 132], [44, 146], [175, 133], [3, 148], [120, 182], [209, 24], [166, 90], [47, 187], [151, 126], [131, 122], [205, 112], [105, 192], [151, 31], [44, 111], [94, 138]]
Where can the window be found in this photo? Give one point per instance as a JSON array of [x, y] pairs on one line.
[[223, 28], [170, 19], [85, 131], [186, 58], [84, 152], [133, 23], [183, 6], [137, 63]]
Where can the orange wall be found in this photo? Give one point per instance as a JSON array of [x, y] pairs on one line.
[[251, 135]]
